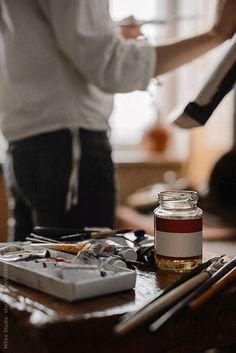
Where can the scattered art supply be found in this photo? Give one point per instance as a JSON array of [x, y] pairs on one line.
[[14, 253], [70, 271]]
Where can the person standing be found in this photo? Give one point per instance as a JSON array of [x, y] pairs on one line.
[[64, 60]]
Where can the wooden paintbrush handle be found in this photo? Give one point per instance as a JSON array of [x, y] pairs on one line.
[[214, 289], [160, 304]]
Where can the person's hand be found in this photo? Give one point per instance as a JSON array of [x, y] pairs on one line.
[[130, 28], [225, 23]]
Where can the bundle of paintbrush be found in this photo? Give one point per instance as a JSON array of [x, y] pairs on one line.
[[179, 295], [214, 276], [59, 235]]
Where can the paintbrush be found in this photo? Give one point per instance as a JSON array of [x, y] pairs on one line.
[[53, 232], [40, 239], [165, 298], [36, 241], [214, 277], [95, 235], [213, 290], [132, 21], [73, 249], [70, 235]]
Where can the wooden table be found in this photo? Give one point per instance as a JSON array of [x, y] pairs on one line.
[[35, 322]]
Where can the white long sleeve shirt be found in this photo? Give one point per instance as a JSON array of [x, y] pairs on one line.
[[64, 60]]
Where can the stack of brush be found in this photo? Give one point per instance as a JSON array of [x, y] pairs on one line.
[[189, 292]]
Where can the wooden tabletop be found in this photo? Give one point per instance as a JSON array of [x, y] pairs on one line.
[[31, 321]]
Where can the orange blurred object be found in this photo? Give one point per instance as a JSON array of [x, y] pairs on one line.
[[156, 139]]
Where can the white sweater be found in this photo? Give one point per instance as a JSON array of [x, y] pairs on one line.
[[64, 59]]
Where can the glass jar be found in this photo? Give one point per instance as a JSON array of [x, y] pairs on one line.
[[178, 231]]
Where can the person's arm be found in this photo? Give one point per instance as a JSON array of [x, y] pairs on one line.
[[87, 36], [89, 39], [173, 55]]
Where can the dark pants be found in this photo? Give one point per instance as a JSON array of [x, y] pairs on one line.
[[38, 172]]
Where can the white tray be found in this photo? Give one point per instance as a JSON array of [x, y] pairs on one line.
[[38, 278]]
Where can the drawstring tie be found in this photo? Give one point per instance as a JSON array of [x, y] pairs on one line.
[[5, 22], [72, 193]]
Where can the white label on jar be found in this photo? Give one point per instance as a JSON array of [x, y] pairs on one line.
[[178, 244]]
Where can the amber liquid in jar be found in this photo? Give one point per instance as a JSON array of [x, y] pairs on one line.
[[178, 231]]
